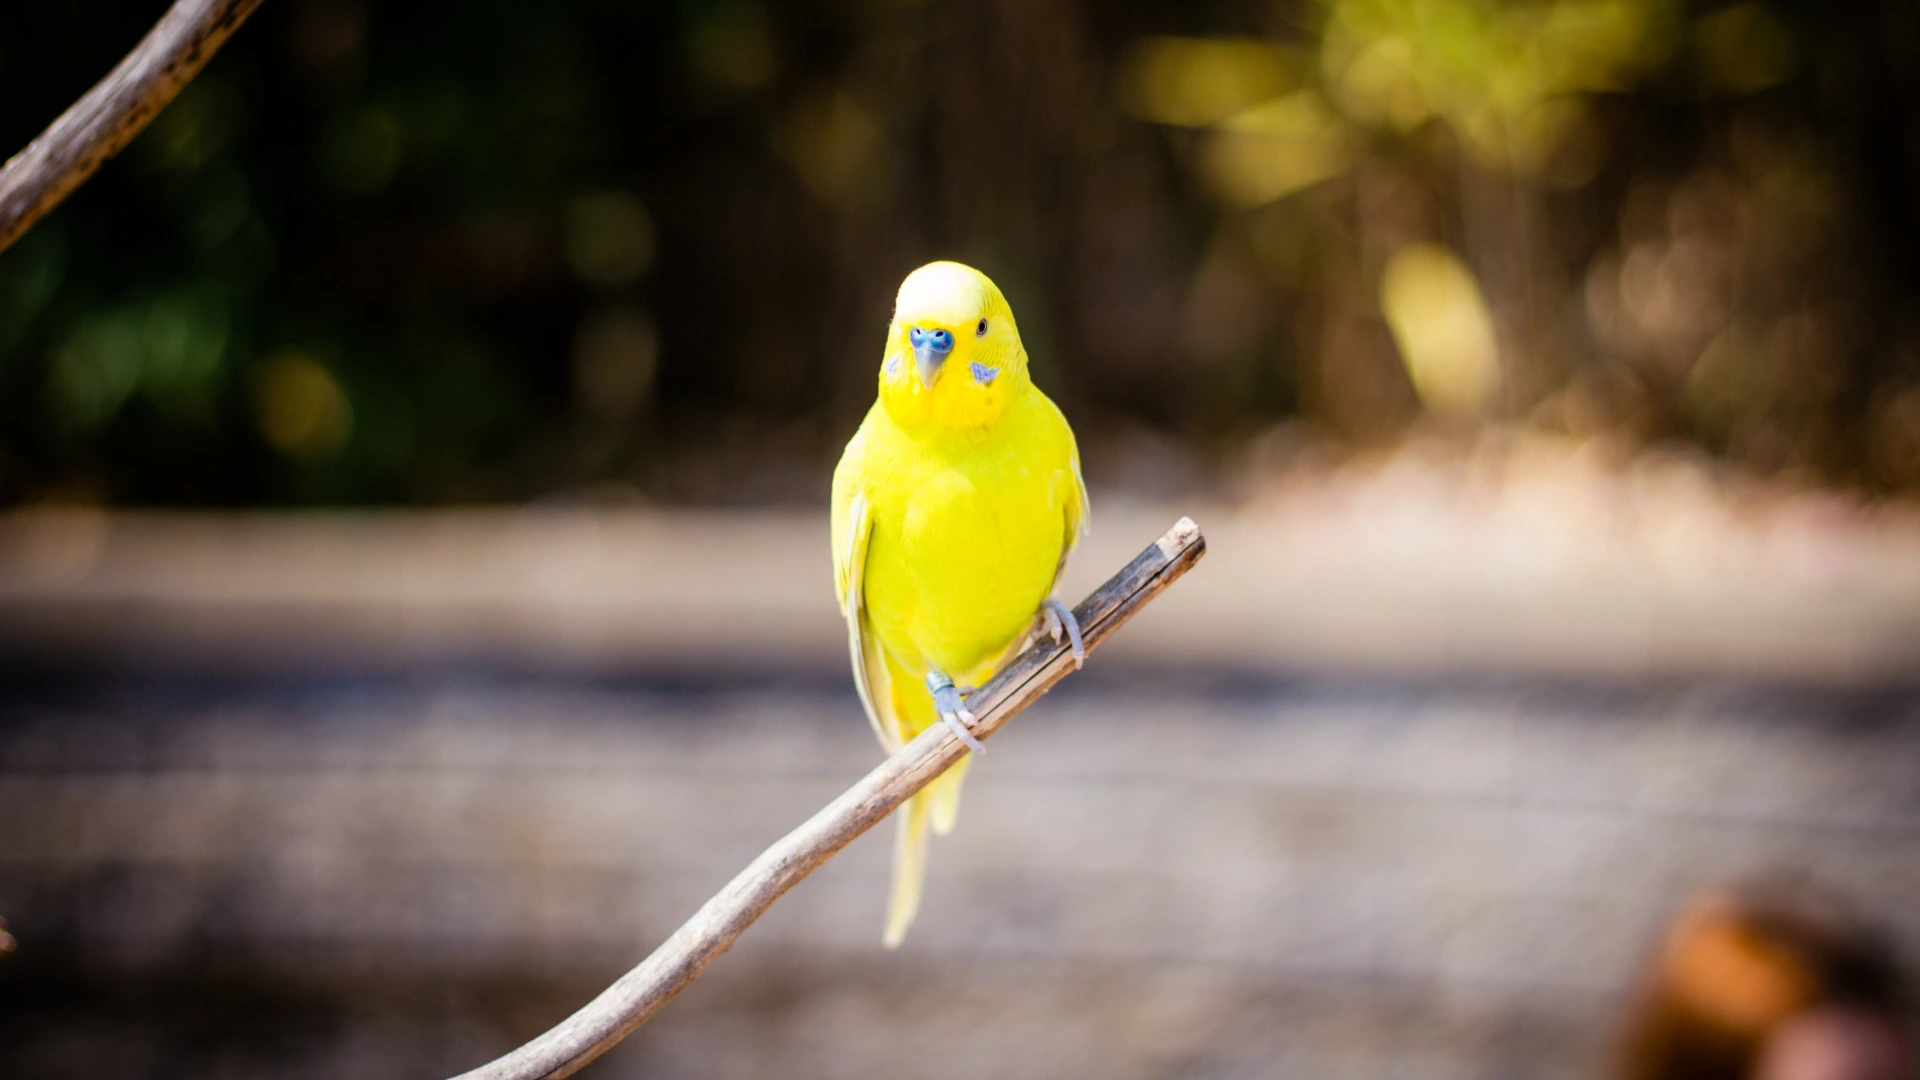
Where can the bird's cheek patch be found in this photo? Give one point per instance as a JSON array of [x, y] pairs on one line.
[[893, 365], [983, 374]]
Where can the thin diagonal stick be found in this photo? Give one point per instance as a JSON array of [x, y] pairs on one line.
[[108, 116], [640, 993]]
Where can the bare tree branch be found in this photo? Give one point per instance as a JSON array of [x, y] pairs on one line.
[[114, 111], [641, 992]]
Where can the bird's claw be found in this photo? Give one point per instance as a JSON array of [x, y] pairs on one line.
[[1062, 626], [953, 710]]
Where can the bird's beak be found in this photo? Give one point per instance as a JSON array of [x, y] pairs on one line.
[[927, 363], [930, 349]]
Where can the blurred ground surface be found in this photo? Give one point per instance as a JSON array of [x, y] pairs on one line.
[[1402, 780], [402, 877], [1521, 556]]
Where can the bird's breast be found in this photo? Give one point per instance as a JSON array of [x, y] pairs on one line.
[[960, 559]]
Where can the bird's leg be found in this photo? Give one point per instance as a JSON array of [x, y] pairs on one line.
[[952, 709], [1062, 625]]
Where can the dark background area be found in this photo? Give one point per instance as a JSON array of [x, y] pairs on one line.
[[436, 252]]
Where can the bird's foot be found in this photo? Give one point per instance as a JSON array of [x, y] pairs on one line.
[[1062, 626], [953, 709]]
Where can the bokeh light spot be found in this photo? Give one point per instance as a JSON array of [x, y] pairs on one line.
[[1744, 48], [609, 238], [734, 47], [195, 127], [1443, 327], [1198, 82], [1273, 150], [95, 371], [1488, 69], [167, 347], [300, 408], [361, 150], [615, 354], [831, 142]]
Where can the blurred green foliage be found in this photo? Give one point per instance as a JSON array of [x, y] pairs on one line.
[[425, 251]]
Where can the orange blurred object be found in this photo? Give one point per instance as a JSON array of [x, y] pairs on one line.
[[1770, 982]]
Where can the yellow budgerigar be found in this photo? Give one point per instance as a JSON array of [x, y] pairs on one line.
[[954, 508]]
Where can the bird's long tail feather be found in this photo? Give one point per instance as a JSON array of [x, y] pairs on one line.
[[934, 809], [943, 796], [909, 866]]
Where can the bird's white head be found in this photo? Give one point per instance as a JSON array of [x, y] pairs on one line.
[[954, 358]]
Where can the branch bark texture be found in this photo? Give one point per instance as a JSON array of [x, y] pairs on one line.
[[640, 993], [36, 179]]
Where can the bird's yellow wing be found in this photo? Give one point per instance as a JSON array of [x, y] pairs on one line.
[[1079, 516], [853, 528], [1076, 522]]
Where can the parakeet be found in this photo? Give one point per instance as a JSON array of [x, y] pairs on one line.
[[955, 507]]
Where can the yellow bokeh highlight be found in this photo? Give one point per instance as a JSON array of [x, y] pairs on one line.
[[1444, 329], [616, 353], [1744, 48], [734, 46], [361, 150], [1505, 77], [832, 144], [1275, 149], [609, 238], [1199, 82], [300, 408]]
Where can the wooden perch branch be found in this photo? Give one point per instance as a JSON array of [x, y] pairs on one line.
[[640, 993], [114, 111]]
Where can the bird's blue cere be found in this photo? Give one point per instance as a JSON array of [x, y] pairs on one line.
[[937, 341]]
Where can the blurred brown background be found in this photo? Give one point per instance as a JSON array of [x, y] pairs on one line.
[[413, 586], [431, 253]]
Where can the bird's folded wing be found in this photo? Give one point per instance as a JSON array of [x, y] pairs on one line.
[[1079, 515], [849, 579]]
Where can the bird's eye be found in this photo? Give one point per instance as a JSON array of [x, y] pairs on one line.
[[981, 330]]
